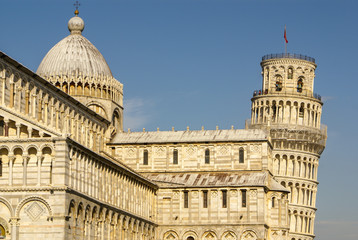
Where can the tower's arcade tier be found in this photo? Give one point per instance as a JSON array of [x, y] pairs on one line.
[[287, 94], [288, 74]]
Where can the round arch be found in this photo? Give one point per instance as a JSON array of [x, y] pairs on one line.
[[8, 205], [30, 199], [190, 235], [17, 147], [170, 235], [209, 235], [229, 235], [31, 146], [98, 108], [249, 235]]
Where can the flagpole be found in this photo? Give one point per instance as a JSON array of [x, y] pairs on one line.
[[285, 41]]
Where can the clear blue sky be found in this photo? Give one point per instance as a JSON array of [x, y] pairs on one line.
[[196, 62]]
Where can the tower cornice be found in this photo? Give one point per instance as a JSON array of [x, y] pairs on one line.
[[289, 97]]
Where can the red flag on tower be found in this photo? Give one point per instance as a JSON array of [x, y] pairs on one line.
[[284, 35]]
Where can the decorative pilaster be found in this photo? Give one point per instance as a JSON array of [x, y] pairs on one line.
[[3, 82], [14, 223], [12, 93]]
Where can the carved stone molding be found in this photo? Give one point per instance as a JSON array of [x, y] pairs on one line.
[[34, 210]]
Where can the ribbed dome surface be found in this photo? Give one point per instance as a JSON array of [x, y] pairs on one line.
[[74, 55]]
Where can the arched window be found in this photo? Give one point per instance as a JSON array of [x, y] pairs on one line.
[[190, 238], [207, 156], [241, 155], [115, 120], [299, 85], [290, 73], [145, 157], [278, 83], [273, 202], [175, 156], [58, 84]]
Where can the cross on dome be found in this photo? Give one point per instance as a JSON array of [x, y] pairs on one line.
[[77, 4]]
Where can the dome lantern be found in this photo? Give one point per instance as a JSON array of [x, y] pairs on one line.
[[76, 24]]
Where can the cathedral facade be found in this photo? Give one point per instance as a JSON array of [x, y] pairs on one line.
[[69, 171]]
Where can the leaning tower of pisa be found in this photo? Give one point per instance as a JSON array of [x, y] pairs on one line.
[[290, 110]]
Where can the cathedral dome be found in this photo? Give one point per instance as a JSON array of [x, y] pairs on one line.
[[75, 66], [74, 55]]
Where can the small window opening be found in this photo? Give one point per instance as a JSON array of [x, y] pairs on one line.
[[224, 198], [205, 199], [207, 156], [278, 86], [243, 198], [175, 156], [145, 157], [299, 85], [273, 202], [290, 73], [241, 156], [273, 112], [2, 128], [0, 168], [278, 83], [302, 111], [186, 199], [190, 238]]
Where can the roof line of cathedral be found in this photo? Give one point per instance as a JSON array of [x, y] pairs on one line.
[[223, 135], [113, 161], [32, 74]]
